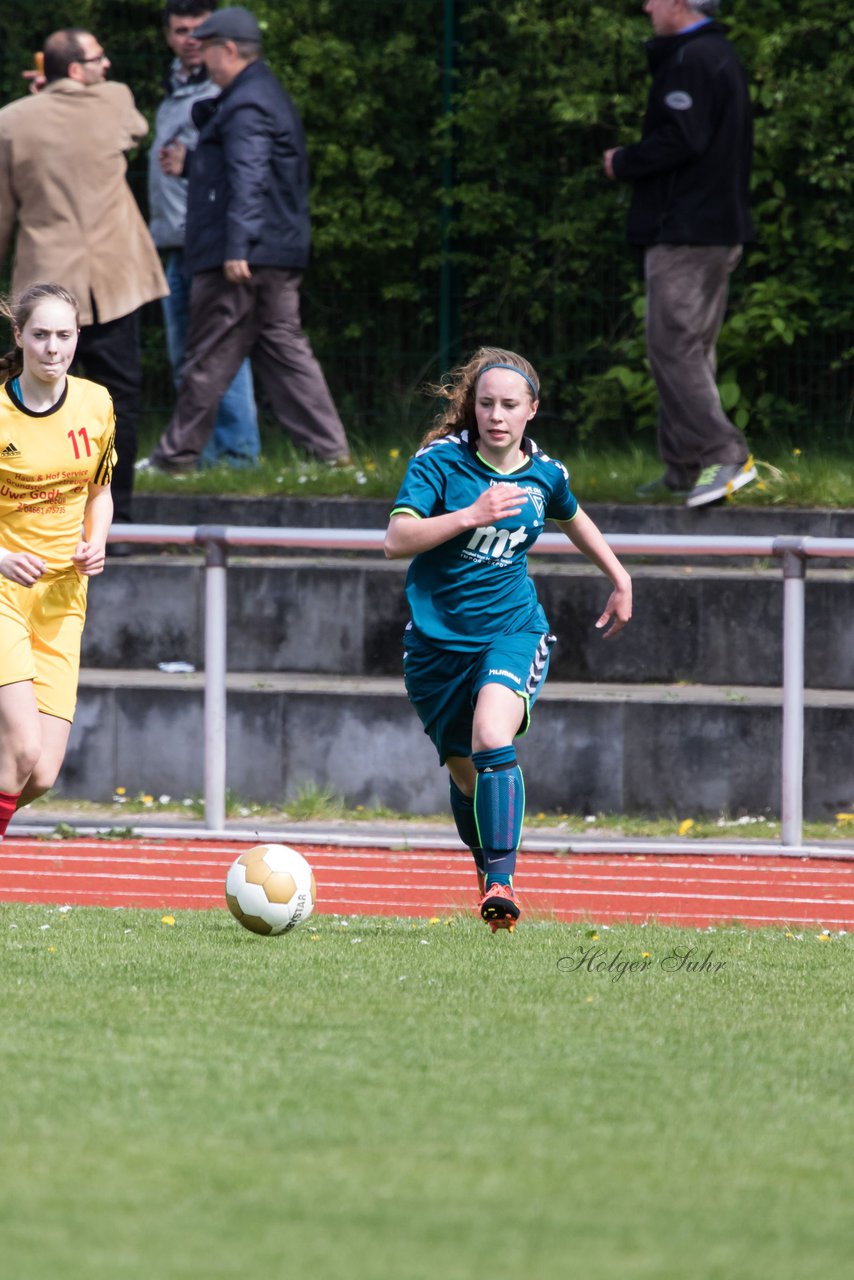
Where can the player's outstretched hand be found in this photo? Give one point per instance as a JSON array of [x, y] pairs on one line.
[[89, 558], [22, 567], [618, 610], [498, 502]]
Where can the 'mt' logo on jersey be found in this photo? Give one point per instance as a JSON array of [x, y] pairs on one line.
[[487, 541]]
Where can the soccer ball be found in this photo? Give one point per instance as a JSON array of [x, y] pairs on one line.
[[270, 889]]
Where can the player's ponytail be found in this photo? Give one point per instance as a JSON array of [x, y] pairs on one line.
[[11, 365]]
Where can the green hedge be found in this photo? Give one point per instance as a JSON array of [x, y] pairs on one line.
[[460, 199]]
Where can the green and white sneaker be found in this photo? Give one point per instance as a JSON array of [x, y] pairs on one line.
[[719, 481]]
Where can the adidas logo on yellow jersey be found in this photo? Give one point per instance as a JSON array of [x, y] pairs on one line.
[[11, 451]]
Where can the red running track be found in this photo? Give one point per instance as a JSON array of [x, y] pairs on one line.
[[602, 888]]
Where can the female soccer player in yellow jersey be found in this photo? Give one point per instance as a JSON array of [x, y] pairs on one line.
[[56, 461]]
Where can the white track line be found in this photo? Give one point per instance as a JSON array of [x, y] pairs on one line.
[[131, 852], [108, 850], [685, 895]]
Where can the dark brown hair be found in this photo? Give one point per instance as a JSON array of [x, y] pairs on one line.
[[459, 389], [61, 49]]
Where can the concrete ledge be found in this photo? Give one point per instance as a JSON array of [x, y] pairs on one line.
[[654, 749], [372, 513]]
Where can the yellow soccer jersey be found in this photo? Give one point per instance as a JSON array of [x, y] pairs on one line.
[[47, 461]]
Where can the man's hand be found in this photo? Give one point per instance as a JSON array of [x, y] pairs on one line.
[[171, 158], [608, 162], [236, 270], [37, 80]]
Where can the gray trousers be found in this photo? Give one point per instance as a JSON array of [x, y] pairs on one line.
[[686, 294], [229, 322]]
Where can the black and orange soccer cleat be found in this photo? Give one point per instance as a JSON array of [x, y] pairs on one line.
[[499, 908]]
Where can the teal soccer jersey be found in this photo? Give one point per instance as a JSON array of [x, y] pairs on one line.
[[465, 592]]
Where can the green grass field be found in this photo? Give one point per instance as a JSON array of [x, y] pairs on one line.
[[788, 475], [412, 1100]]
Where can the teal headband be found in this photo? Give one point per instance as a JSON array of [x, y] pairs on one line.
[[513, 369]]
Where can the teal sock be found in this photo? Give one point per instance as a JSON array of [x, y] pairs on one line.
[[462, 807], [499, 810]]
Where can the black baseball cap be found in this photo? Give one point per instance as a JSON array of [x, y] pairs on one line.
[[234, 23]]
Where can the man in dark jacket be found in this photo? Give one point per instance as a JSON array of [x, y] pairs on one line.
[[689, 212], [235, 439], [247, 245]]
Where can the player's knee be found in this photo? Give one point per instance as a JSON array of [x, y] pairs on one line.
[[490, 737], [41, 778], [24, 758]]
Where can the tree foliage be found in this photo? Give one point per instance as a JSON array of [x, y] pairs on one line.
[[458, 200]]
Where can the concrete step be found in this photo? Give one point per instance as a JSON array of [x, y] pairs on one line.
[[372, 513], [620, 748], [346, 614]]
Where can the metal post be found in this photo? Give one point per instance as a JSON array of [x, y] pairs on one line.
[[446, 327], [216, 559], [794, 583]]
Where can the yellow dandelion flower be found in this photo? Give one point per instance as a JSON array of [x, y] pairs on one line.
[[824, 937], [685, 826], [394, 453], [434, 920], [51, 948], [796, 453], [844, 818], [147, 799], [167, 920], [590, 999], [121, 791], [645, 955]]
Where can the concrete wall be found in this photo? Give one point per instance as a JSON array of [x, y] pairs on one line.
[[658, 750], [680, 715]]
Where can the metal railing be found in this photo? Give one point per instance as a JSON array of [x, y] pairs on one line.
[[792, 552]]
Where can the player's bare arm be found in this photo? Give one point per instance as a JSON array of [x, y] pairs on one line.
[[407, 535], [585, 535], [90, 553]]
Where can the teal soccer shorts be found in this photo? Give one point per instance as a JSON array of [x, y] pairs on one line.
[[443, 684]]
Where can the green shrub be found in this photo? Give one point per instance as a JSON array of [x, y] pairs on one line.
[[458, 198]]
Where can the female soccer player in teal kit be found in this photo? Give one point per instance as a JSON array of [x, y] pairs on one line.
[[474, 499]]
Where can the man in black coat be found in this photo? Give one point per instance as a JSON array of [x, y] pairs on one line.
[[247, 245], [689, 212]]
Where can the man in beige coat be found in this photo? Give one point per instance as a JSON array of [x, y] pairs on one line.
[[63, 185]]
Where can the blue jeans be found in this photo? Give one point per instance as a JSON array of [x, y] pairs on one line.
[[235, 438]]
